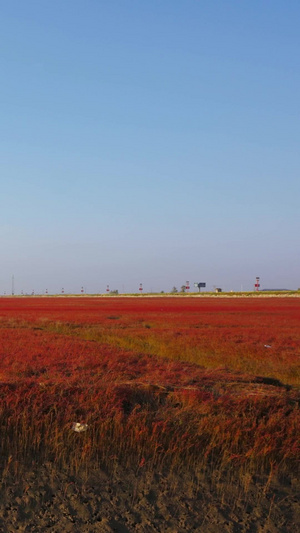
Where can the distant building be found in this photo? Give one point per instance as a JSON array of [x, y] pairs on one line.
[[218, 289]]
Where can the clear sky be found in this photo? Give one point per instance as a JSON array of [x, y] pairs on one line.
[[149, 141]]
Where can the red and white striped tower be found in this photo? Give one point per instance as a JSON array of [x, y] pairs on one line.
[[141, 288], [187, 286], [82, 290], [257, 284], [62, 290], [107, 288]]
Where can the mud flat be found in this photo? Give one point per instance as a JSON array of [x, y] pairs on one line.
[[142, 501]]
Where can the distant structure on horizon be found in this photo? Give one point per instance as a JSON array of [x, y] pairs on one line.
[[200, 285], [257, 284]]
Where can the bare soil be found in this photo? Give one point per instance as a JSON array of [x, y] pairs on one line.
[[125, 501]]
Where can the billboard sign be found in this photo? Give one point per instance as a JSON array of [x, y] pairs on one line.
[[200, 285]]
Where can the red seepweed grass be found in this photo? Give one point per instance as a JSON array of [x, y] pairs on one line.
[[160, 383]]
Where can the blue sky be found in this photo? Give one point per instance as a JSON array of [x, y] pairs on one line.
[[149, 142]]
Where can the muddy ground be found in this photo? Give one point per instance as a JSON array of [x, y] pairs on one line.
[[142, 501]]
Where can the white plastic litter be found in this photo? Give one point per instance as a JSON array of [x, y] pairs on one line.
[[267, 346], [79, 427]]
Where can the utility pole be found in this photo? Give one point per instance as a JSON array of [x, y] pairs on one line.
[[13, 285]]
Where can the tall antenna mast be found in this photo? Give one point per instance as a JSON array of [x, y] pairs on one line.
[[13, 285]]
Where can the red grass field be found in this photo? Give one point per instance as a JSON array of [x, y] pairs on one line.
[[161, 382]]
